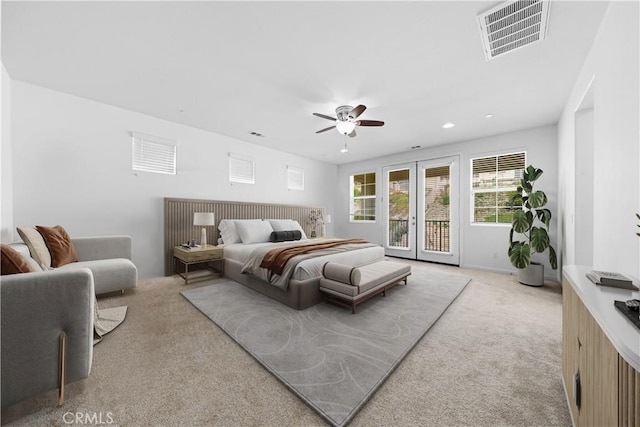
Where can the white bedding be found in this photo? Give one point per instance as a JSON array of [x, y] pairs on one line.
[[308, 268]]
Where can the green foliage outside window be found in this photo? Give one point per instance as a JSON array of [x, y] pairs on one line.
[[363, 197], [494, 182]]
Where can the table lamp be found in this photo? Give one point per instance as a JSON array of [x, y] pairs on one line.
[[203, 219], [327, 220]]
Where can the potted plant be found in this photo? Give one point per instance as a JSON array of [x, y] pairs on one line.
[[531, 220], [315, 217]]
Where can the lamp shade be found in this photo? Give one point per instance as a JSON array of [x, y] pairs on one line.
[[345, 127], [204, 218]]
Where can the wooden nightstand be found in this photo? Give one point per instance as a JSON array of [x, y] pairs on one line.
[[198, 255]]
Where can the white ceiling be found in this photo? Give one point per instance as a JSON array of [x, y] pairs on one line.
[[237, 67]]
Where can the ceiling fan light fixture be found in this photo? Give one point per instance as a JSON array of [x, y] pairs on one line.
[[346, 120], [345, 127]]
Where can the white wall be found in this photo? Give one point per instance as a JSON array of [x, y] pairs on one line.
[[612, 69], [72, 166], [6, 178], [481, 246]]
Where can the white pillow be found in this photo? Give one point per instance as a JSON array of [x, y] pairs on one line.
[[254, 231], [286, 225], [228, 231]]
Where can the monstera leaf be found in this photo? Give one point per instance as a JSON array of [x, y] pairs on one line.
[[544, 215], [537, 199], [553, 259], [532, 221], [539, 239], [520, 222], [520, 255]]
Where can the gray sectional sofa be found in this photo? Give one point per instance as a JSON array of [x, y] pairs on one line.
[[108, 258], [38, 308]]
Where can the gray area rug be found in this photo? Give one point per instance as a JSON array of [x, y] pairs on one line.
[[332, 359]]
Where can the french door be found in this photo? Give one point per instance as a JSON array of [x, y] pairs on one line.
[[421, 210]]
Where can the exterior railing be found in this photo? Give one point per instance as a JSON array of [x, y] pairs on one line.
[[436, 234], [398, 233]]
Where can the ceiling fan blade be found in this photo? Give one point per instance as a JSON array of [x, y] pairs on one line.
[[356, 111], [325, 129], [353, 133], [325, 117], [369, 123]]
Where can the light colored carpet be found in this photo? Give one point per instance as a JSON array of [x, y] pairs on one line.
[[492, 359], [332, 359]]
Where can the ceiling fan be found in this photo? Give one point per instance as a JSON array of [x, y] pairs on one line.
[[346, 120]]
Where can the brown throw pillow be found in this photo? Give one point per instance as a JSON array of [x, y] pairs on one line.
[[59, 244], [12, 261]]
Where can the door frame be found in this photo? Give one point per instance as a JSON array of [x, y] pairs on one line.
[[410, 251], [453, 255], [415, 225]]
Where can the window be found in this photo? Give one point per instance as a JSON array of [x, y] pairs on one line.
[[295, 178], [494, 180], [153, 154], [363, 197], [242, 169]]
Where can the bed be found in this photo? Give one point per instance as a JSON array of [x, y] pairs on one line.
[[298, 286]]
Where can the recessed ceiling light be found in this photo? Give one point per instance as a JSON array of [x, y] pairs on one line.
[[448, 125], [488, 116]]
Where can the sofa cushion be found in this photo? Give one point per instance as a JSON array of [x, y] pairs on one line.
[[12, 262], [108, 274], [59, 243], [37, 247]]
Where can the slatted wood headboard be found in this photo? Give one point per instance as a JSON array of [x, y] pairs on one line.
[[179, 228]]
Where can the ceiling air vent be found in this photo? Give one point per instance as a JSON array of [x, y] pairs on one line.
[[513, 25]]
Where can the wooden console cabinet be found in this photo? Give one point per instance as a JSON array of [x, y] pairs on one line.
[[602, 347]]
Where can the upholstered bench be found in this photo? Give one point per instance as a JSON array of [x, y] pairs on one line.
[[349, 286]]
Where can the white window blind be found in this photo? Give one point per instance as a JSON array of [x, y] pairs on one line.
[[295, 178], [153, 154], [242, 169], [494, 179]]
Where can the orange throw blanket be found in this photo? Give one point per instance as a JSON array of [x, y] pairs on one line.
[[276, 258]]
